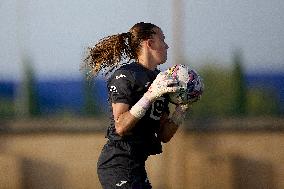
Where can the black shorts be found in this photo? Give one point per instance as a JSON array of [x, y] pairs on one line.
[[122, 166]]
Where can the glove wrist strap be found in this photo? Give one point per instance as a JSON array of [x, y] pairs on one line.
[[140, 108]]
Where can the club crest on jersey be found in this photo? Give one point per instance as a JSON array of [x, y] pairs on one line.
[[120, 76]]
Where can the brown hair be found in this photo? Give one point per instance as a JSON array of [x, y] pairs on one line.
[[110, 51]]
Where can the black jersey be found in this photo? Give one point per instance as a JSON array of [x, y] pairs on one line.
[[127, 85]]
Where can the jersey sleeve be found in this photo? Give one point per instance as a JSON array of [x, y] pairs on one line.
[[120, 87]]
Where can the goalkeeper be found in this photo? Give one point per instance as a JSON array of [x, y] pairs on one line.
[[138, 101]]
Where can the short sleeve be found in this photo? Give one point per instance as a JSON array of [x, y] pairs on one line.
[[120, 87]]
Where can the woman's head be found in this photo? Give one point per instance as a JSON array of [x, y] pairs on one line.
[[158, 47], [110, 51], [139, 33]]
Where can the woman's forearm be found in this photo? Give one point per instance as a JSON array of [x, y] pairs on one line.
[[125, 123], [167, 129]]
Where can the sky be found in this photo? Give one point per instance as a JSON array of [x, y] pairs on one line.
[[54, 34]]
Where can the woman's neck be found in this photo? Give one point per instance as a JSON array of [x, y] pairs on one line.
[[145, 62]]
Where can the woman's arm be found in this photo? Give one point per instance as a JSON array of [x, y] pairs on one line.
[[126, 117], [167, 128], [124, 120]]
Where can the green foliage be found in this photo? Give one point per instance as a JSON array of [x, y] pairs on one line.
[[26, 103], [238, 86], [261, 103], [217, 98], [89, 99], [226, 94], [6, 108], [30, 82]]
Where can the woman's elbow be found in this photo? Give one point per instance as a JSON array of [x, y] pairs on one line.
[[166, 139], [120, 131]]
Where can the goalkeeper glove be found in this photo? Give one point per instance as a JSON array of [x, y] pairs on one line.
[[161, 85], [179, 114]]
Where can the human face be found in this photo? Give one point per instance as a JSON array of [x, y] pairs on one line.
[[159, 47]]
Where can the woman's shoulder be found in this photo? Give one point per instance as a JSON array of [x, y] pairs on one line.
[[131, 67], [123, 72]]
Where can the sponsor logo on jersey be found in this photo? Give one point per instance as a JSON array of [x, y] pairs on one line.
[[120, 76], [121, 183], [147, 84]]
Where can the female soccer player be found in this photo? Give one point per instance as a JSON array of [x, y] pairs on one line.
[[139, 103]]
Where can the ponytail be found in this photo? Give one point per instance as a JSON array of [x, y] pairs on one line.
[[110, 51]]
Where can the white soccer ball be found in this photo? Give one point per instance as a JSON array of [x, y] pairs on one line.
[[190, 83]]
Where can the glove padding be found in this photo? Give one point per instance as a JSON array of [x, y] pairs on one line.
[[161, 85], [179, 114], [198, 88]]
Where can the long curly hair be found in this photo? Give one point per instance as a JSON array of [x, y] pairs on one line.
[[110, 52]]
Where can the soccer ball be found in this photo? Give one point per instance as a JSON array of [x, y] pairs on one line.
[[190, 83]]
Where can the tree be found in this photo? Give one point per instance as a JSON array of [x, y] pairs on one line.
[[262, 102], [32, 95], [27, 103], [217, 97], [239, 86], [89, 99]]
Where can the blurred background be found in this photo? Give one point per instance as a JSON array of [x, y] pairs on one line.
[[53, 121]]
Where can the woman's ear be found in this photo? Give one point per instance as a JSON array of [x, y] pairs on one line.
[[150, 43]]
